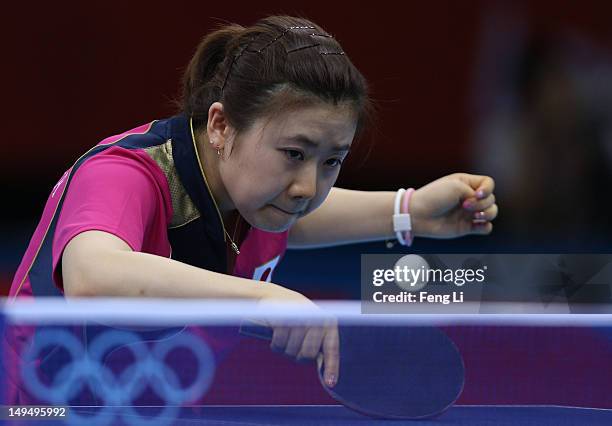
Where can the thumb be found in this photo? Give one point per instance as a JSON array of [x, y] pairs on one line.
[[483, 186], [464, 190]]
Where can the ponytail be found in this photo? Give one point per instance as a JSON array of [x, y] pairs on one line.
[[200, 87]]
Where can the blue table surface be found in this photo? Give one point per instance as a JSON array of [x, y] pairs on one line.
[[330, 415]]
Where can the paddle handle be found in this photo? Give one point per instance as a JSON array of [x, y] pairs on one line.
[[255, 329]]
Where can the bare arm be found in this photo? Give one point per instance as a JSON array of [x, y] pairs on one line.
[[96, 263], [449, 207], [346, 216]]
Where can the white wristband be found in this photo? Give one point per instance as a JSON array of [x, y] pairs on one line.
[[401, 221]]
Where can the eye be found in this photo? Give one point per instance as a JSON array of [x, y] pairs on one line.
[[293, 154], [334, 162]]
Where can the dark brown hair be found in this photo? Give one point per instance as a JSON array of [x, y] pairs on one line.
[[278, 63]]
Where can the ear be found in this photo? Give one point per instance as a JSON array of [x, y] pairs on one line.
[[217, 128]]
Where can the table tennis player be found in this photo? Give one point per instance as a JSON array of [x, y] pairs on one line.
[[204, 204]]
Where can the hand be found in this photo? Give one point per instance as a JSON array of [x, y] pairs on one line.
[[453, 206], [309, 340]]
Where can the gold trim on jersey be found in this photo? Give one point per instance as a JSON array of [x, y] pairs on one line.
[[184, 210]]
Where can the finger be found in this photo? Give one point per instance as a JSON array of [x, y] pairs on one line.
[[481, 228], [331, 356], [483, 185], [279, 339], [474, 204], [485, 188], [294, 344], [486, 215], [311, 344]]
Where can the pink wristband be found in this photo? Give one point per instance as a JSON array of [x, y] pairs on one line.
[[405, 206]]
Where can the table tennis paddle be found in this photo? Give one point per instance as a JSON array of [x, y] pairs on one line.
[[391, 372]]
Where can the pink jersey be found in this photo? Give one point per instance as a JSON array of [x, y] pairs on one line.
[[125, 190], [146, 187]]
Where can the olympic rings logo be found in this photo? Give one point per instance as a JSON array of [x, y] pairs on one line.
[[149, 369]]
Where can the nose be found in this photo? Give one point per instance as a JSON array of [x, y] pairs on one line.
[[304, 185]]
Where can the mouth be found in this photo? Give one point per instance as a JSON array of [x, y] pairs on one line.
[[287, 212]]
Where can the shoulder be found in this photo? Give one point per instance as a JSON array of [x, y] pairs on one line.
[[118, 177], [116, 163]]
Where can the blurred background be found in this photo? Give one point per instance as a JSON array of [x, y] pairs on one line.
[[518, 90]]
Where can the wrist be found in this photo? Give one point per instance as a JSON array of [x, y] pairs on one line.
[[279, 293], [417, 216]]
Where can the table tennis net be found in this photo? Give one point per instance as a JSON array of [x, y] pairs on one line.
[[135, 353]]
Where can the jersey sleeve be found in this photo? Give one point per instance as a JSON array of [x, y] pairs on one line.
[[119, 191]]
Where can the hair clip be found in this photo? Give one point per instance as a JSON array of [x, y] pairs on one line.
[[234, 59], [297, 49], [302, 48], [274, 40], [278, 37]]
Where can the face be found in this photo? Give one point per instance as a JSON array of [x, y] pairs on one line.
[[283, 168]]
